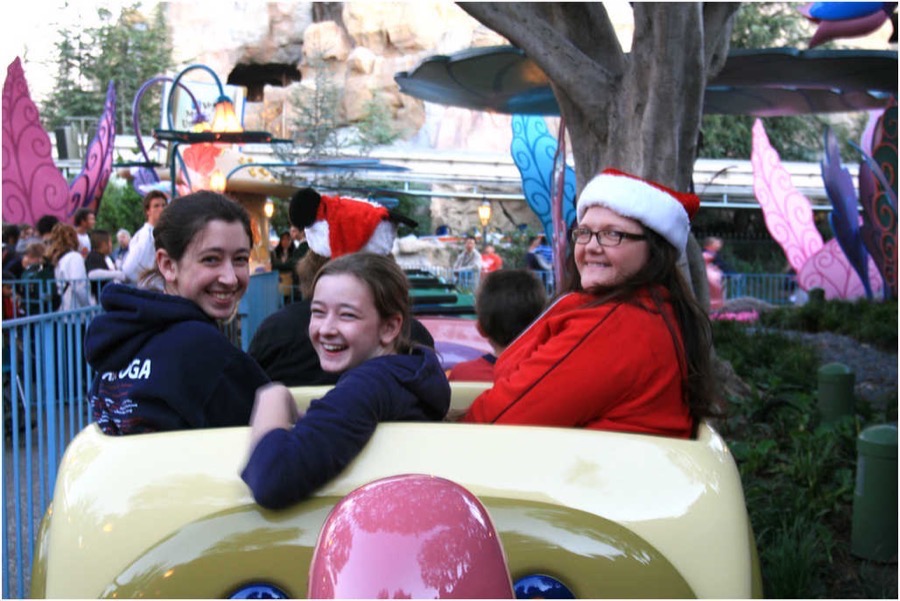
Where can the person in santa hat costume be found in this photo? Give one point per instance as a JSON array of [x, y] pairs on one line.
[[334, 226], [626, 347]]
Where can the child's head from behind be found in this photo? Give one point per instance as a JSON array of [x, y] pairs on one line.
[[34, 254], [360, 310], [203, 245], [508, 301]]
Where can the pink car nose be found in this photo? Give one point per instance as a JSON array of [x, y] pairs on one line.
[[410, 536]]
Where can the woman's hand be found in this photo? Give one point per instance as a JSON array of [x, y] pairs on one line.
[[274, 408]]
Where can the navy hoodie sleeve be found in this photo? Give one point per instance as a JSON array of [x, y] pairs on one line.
[[288, 465], [231, 400]]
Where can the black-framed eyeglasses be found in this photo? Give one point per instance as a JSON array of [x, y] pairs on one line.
[[582, 235]]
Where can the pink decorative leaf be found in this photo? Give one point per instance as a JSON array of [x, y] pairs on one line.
[[830, 270], [32, 185], [87, 188], [788, 214]]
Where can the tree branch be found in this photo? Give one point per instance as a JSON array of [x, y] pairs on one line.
[[717, 23]]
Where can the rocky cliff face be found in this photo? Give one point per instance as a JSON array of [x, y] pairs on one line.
[[359, 46], [360, 49]]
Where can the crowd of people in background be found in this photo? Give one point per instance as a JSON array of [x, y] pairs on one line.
[[57, 266]]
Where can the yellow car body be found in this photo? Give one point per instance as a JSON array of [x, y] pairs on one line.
[[608, 514]]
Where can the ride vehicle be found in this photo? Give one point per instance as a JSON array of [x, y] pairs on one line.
[[602, 514]]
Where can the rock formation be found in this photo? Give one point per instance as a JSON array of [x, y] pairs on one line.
[[360, 46]]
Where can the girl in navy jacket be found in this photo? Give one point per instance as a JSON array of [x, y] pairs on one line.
[[359, 328], [161, 361]]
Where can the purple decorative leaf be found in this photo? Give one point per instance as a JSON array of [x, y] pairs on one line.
[[87, 187], [144, 179], [844, 218], [32, 185]]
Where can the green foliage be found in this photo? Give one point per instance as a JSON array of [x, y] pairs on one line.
[[418, 209], [793, 560], [769, 25], [797, 472], [513, 254], [120, 207], [874, 323], [281, 221], [317, 123], [376, 128], [796, 138], [127, 50]]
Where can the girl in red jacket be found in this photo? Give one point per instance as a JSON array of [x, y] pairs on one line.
[[627, 347]]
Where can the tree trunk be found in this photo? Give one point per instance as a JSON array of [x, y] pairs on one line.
[[640, 111]]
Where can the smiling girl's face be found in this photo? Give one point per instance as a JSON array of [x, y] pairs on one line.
[[609, 265], [214, 271], [345, 327]]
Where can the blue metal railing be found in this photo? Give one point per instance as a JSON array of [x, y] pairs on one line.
[[773, 288], [45, 381], [45, 385], [468, 280]]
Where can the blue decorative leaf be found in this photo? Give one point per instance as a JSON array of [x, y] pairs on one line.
[[532, 151]]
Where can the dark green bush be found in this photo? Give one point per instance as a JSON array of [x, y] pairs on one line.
[[874, 323], [798, 473]]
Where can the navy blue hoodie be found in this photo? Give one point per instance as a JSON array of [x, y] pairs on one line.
[[163, 364], [288, 465]]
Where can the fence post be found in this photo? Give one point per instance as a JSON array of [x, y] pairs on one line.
[[874, 529], [836, 382]]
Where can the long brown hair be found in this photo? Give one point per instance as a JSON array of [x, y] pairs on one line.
[[63, 239], [306, 269], [661, 272]]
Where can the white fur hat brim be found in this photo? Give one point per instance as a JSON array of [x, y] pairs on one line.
[[637, 199], [381, 242]]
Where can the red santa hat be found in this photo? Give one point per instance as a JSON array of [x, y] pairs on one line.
[[337, 225], [661, 209]]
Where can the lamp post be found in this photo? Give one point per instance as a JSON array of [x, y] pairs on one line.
[[224, 118], [484, 216]]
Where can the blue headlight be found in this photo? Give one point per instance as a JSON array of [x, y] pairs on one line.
[[540, 586], [258, 590]]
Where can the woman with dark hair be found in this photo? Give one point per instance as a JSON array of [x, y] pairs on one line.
[[281, 254], [283, 261], [360, 329], [627, 348], [162, 363]]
